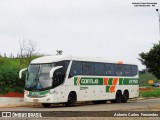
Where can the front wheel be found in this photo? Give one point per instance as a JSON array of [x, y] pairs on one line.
[[71, 100]]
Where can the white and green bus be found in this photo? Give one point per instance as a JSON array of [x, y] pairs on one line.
[[69, 79]]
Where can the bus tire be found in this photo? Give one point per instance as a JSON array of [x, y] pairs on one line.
[[46, 105], [125, 96], [71, 99], [118, 97]]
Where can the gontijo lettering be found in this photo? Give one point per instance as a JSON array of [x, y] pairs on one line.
[[89, 81]]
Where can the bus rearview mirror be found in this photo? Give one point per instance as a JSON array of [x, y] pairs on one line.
[[53, 69], [21, 71]]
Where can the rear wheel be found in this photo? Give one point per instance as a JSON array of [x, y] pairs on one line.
[[71, 100], [125, 97], [46, 104], [118, 97]]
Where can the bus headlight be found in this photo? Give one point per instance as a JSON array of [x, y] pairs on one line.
[[26, 92]]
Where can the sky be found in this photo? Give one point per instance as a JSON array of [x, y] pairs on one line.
[[112, 29]]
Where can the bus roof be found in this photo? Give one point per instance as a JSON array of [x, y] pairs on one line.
[[56, 58]]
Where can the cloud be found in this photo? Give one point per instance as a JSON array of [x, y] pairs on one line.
[[108, 28]]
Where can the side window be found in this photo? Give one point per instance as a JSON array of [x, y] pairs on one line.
[[59, 74], [134, 70], [88, 68], [57, 78], [79, 68], [99, 69], [110, 70], [119, 70], [61, 63], [66, 65], [76, 68], [73, 69], [127, 70]]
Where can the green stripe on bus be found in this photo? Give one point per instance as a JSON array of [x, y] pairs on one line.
[[107, 88], [126, 81], [130, 81], [75, 80], [38, 93], [110, 81], [120, 81], [88, 81], [99, 81], [91, 81]]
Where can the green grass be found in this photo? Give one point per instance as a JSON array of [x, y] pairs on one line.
[[155, 92], [9, 62], [143, 82], [15, 62]]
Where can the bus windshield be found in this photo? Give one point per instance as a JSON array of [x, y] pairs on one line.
[[37, 77]]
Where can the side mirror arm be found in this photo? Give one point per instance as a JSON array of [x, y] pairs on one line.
[[20, 72], [52, 71]]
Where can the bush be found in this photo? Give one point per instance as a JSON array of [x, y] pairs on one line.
[[9, 80], [9, 71], [145, 77]]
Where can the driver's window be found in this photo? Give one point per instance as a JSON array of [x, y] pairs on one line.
[[57, 78]]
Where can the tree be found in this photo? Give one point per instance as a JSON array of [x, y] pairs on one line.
[[5, 55], [22, 47], [28, 48], [151, 60], [31, 49]]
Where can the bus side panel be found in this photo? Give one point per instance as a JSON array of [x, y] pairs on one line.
[[134, 91], [94, 92], [105, 91], [58, 94]]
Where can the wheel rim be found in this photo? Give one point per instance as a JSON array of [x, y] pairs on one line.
[[71, 99]]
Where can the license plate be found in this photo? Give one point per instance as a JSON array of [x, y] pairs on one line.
[[35, 100]]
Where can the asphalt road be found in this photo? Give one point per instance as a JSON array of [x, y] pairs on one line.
[[95, 112], [132, 105]]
